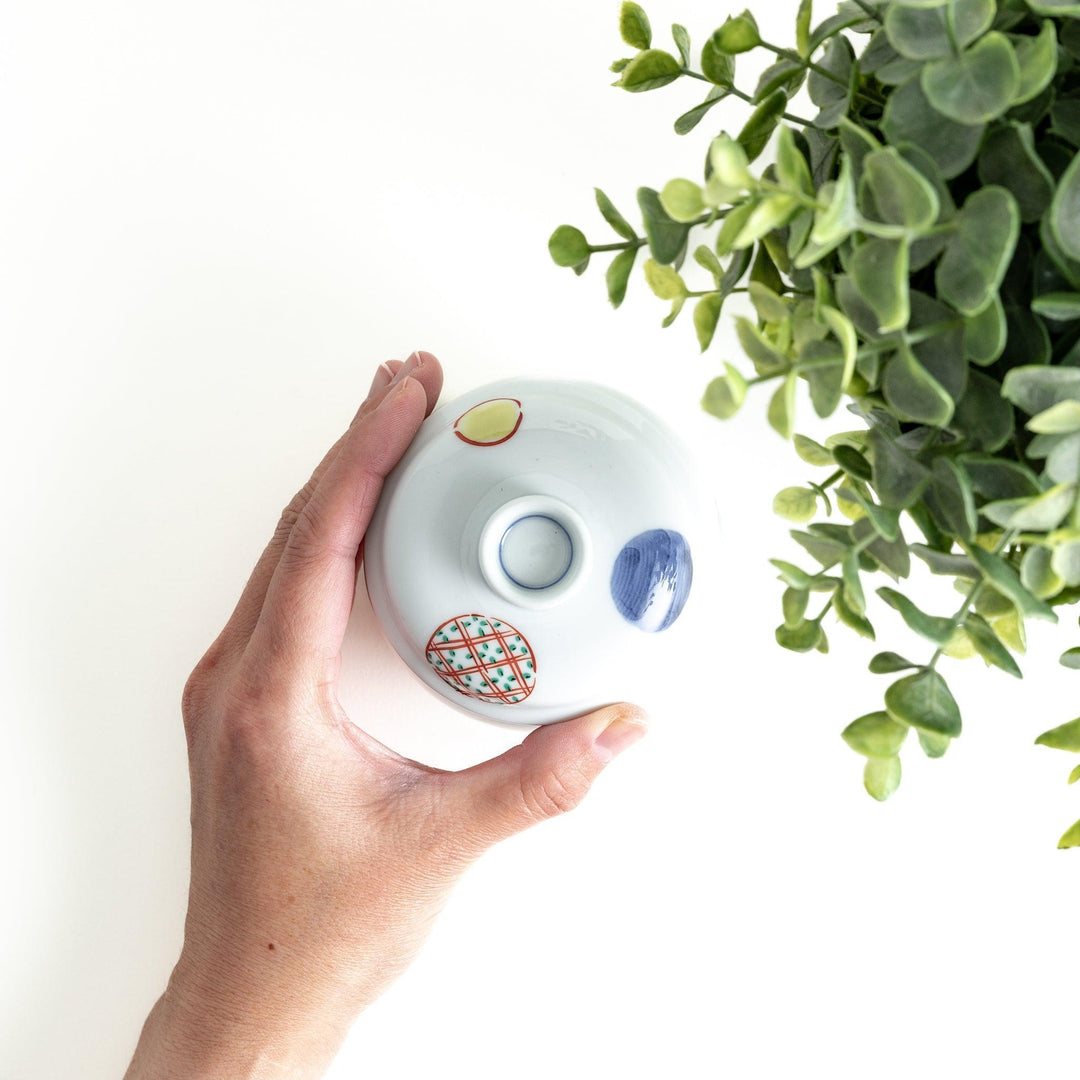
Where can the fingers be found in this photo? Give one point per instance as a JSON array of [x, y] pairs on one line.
[[242, 622], [309, 597], [547, 774]]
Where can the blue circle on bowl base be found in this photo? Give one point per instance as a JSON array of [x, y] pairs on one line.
[[536, 552], [651, 579]]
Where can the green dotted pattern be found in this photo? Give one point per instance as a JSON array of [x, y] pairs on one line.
[[483, 658]]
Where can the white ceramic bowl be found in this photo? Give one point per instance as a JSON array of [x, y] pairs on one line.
[[533, 546]]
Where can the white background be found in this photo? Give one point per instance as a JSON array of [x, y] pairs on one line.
[[217, 218]]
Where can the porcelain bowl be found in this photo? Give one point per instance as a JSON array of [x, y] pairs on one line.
[[534, 546]]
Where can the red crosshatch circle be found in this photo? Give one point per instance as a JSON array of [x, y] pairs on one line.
[[490, 423], [483, 658]]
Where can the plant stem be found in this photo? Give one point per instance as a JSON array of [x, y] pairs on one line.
[[915, 337], [798, 196], [972, 596], [635, 244], [791, 118], [788, 54]]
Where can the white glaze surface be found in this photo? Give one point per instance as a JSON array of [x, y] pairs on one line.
[[598, 463]]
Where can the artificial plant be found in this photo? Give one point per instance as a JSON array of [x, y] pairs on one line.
[[913, 251]]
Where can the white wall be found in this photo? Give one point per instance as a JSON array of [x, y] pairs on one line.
[[217, 218]]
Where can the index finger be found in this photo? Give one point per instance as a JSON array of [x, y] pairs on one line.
[[309, 598]]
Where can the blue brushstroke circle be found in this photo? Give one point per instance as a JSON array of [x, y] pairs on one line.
[[651, 579]]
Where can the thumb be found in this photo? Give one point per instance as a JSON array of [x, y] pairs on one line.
[[545, 775]]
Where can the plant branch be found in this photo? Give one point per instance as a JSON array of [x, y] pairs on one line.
[[971, 597], [734, 91]]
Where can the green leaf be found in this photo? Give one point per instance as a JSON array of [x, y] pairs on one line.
[[875, 735], [837, 221], [978, 85], [983, 418], [716, 65], [832, 94], [881, 777], [568, 246], [1065, 562], [1070, 658], [934, 628], [913, 393], [649, 70], [802, 28], [769, 306], [988, 645], [729, 163], [666, 237], [791, 575], [682, 200], [934, 746], [1063, 461], [801, 638], [1074, 776], [886, 663], [1009, 159], [1063, 737], [1035, 387], [757, 131], [850, 617], [613, 217], [898, 478], [1007, 582], [767, 359], [794, 603], [1062, 306], [853, 590], [893, 192], [1060, 419], [910, 118], [706, 316], [979, 250], [813, 453], [618, 275], [782, 407], [923, 701], [692, 117], [985, 334], [681, 37], [879, 271], [739, 34], [924, 33], [786, 75], [1071, 837], [1055, 7], [796, 504], [1037, 574], [792, 170], [664, 281], [827, 550], [634, 25], [1037, 57], [950, 499], [725, 394]]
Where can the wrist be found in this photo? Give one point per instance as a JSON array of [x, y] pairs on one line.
[[201, 1029]]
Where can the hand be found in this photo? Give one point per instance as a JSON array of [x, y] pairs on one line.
[[319, 856]]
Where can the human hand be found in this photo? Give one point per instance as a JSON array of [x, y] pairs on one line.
[[319, 856]]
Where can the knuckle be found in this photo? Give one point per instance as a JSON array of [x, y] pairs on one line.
[[292, 514], [550, 795]]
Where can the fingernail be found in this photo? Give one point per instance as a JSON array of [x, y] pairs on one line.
[[406, 369], [384, 375], [625, 730], [396, 389]]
